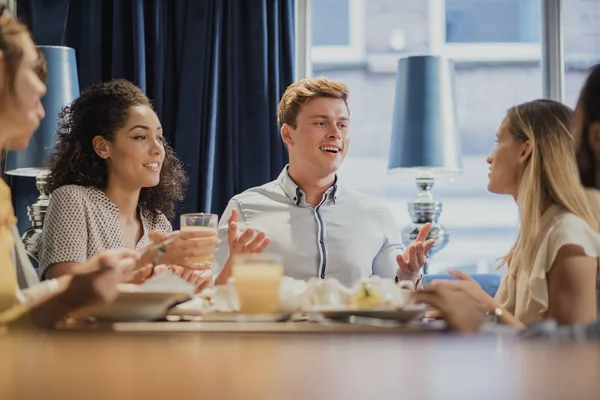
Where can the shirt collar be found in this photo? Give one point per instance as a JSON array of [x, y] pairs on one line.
[[103, 200], [297, 195]]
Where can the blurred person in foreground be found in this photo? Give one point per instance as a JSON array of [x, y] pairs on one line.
[[24, 302]]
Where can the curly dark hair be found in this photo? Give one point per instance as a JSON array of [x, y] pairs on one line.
[[101, 110]]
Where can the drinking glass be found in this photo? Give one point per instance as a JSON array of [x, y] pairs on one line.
[[257, 279], [201, 222]]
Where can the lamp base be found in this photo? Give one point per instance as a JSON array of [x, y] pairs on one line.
[[36, 213], [422, 210], [30, 239]]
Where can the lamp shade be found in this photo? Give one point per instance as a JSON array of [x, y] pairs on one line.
[[425, 134], [63, 88]]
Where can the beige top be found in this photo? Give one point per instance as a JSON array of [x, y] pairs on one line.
[[81, 222], [9, 287], [18, 280], [525, 293]]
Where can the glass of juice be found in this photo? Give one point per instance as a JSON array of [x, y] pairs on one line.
[[201, 222], [257, 279]]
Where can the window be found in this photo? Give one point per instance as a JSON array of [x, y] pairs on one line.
[[493, 21], [464, 30], [581, 42], [338, 31], [489, 30], [497, 66]]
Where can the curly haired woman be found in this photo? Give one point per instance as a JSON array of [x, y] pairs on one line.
[[113, 181]]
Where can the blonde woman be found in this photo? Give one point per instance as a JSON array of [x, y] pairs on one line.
[[553, 265]]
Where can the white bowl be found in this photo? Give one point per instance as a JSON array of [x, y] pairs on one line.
[[134, 304]]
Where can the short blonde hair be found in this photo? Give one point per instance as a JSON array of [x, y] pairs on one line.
[[301, 92]]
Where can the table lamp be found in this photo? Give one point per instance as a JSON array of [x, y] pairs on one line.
[[63, 88], [425, 140]]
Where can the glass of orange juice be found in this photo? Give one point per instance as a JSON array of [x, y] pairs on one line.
[[203, 222], [257, 279]]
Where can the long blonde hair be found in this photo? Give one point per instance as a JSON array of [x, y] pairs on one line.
[[550, 175]]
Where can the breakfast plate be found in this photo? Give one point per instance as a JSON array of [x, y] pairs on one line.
[[134, 303], [408, 313], [237, 317]]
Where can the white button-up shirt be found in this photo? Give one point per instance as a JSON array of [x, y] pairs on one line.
[[347, 236]]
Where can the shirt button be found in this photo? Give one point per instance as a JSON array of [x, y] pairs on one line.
[[322, 241]]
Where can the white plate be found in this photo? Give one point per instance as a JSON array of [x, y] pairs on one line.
[[236, 317], [405, 314], [134, 304]]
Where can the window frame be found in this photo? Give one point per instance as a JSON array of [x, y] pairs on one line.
[[552, 74], [355, 52], [477, 52]]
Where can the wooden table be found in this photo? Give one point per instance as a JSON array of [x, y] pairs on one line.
[[418, 328], [130, 366]]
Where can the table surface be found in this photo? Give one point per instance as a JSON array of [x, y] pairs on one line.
[[159, 364], [365, 325]]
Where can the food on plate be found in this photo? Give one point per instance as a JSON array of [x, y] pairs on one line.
[[365, 298]]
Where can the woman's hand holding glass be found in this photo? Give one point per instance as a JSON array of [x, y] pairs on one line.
[[181, 252], [189, 246]]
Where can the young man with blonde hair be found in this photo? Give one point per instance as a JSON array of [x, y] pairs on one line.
[[321, 228]]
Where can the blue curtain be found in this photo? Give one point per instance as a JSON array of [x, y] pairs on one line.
[[215, 70]]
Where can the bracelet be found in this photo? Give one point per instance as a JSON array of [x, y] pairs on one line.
[[494, 315]]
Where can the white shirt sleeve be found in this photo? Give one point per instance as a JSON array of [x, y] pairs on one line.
[[223, 246], [385, 264]]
